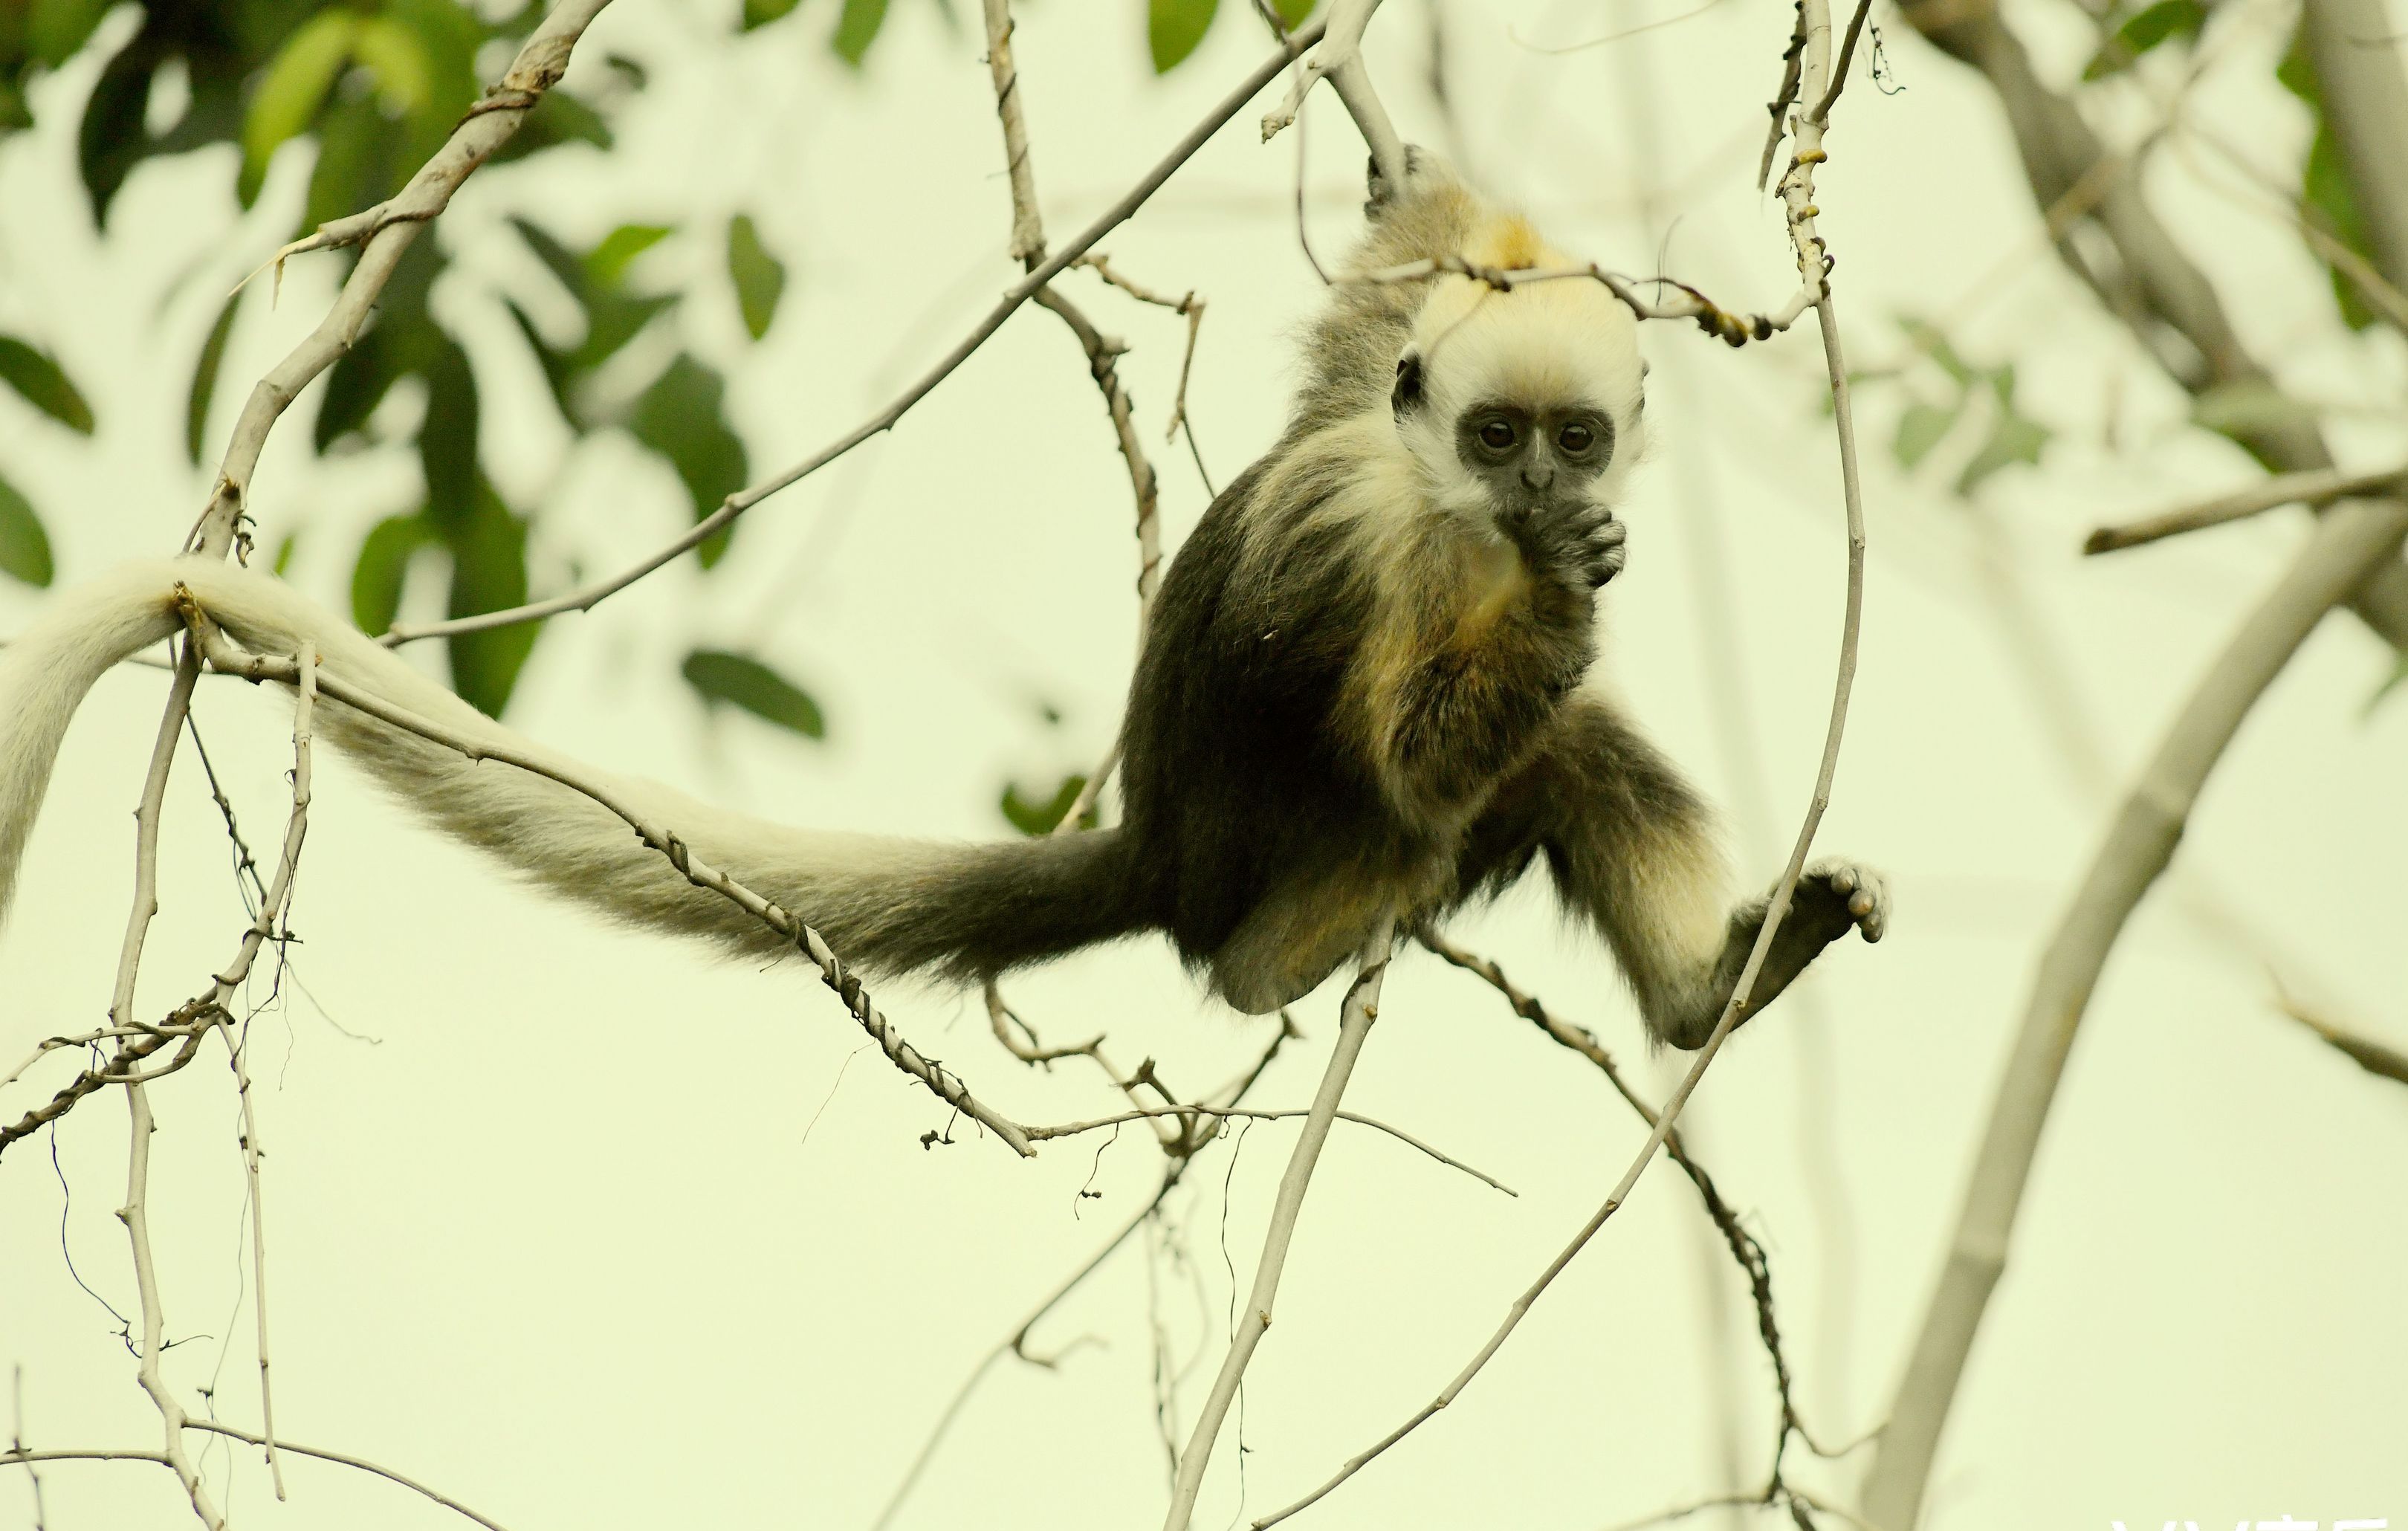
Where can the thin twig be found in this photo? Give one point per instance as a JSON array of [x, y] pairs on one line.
[[1067, 1129], [948, 1087], [346, 1460], [1361, 1007], [2317, 486], [587, 597]]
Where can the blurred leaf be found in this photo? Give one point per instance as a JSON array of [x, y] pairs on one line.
[[732, 679], [1174, 27], [680, 416], [2144, 30], [56, 29], [489, 574], [376, 574], [360, 162], [14, 113], [447, 438], [759, 278], [555, 365], [761, 13], [856, 29], [2324, 181], [1927, 338], [286, 545], [111, 139], [25, 547], [44, 385], [1920, 426], [1034, 816], [607, 263], [2391, 683], [1293, 12], [292, 89], [559, 118], [2245, 408], [205, 378], [2012, 440], [396, 56], [357, 383]]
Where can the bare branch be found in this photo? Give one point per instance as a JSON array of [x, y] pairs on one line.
[[346, 1460], [1339, 57], [2352, 540], [2372, 1056], [949, 1088], [386, 230], [1362, 1008], [2317, 486], [587, 597]]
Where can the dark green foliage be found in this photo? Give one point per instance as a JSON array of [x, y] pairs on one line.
[[25, 547], [44, 385], [758, 276], [2143, 30], [377, 573], [205, 378], [1174, 27], [488, 574], [681, 417], [856, 28], [1032, 815], [2328, 199], [729, 680]]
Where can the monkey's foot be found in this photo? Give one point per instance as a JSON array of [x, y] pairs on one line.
[[1834, 893]]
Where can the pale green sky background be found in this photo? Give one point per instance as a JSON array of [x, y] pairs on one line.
[[556, 1244]]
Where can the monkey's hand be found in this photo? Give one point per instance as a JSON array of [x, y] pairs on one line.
[[1581, 545]]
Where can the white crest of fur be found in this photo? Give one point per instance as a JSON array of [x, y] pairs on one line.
[[1548, 344]]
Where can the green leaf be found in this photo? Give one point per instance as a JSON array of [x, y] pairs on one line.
[[681, 417], [2332, 203], [489, 574], [55, 30], [286, 545], [759, 278], [606, 264], [2247, 408], [447, 438], [398, 59], [559, 118], [724, 679], [761, 13], [25, 547], [360, 163], [358, 382], [205, 378], [1920, 426], [2012, 440], [856, 29], [1292, 12], [38, 378], [1034, 816], [1174, 27], [2144, 30], [383, 562], [1927, 338], [111, 139], [292, 89]]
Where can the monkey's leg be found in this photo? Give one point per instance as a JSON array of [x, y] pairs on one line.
[[1633, 848], [1294, 938]]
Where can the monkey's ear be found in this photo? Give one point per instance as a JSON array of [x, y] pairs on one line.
[[1408, 395]]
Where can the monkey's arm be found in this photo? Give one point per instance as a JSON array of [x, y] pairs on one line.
[[1634, 851]]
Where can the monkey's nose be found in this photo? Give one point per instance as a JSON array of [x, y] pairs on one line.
[[1538, 478]]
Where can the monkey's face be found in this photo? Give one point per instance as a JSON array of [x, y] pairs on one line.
[[1534, 460]]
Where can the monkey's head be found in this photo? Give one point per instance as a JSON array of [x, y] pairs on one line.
[[1520, 402]]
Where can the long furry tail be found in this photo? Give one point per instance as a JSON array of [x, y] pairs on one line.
[[891, 906]]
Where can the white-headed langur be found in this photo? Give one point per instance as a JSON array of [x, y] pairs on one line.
[[1362, 691]]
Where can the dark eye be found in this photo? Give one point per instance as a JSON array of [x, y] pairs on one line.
[[1576, 439], [1497, 435]]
